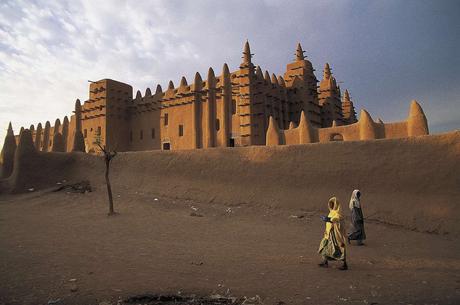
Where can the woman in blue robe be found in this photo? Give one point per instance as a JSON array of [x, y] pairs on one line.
[[357, 219]]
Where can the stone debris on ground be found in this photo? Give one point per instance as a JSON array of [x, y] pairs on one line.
[[213, 299], [195, 214], [73, 285], [79, 187]]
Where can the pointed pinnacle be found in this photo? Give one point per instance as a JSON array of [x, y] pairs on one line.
[[299, 53]]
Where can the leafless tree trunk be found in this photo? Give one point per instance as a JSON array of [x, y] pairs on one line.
[[108, 156]]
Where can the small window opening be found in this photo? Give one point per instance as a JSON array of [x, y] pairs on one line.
[[153, 133], [85, 133], [217, 124], [181, 130], [166, 119]]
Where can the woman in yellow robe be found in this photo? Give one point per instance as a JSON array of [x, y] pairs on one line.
[[332, 246]]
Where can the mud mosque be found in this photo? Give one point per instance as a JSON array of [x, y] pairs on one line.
[[240, 108]]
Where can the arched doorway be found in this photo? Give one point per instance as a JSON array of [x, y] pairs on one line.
[[336, 137]]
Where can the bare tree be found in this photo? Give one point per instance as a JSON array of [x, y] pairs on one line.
[[108, 156]]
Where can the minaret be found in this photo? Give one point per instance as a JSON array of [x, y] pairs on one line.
[[329, 98], [8, 151], [246, 55], [348, 109], [301, 86], [299, 53], [245, 100], [327, 72]]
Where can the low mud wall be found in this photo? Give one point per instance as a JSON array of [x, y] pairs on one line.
[[411, 182]]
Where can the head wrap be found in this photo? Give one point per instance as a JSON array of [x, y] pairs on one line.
[[354, 200]]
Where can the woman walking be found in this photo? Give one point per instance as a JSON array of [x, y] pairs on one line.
[[332, 246], [357, 219]]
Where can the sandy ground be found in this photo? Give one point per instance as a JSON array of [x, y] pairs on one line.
[[156, 246]]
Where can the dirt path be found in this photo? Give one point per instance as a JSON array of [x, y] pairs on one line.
[[47, 239]]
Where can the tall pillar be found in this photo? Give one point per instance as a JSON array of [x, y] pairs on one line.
[[46, 136], [196, 111], [211, 110], [38, 137], [78, 141], [226, 102], [65, 131], [8, 151]]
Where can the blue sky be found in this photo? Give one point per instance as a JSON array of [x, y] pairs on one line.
[[385, 52]]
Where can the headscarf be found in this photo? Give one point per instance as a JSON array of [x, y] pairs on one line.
[[336, 218], [354, 200], [334, 209]]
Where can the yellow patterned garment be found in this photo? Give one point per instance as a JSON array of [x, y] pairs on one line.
[[332, 245]]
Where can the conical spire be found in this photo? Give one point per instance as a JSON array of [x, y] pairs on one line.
[[299, 53], [32, 128], [170, 85], [198, 82], [25, 147], [346, 96], [138, 95], [259, 73], [57, 126], [77, 115], [159, 89], [46, 136], [183, 82], [366, 126], [327, 71], [77, 105], [267, 77], [10, 131], [416, 122], [225, 70], [307, 133], [281, 81], [8, 151], [226, 80], [273, 136], [148, 92], [247, 54], [211, 78], [38, 137], [65, 131], [274, 79]]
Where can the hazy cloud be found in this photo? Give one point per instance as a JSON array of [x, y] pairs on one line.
[[385, 52]]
